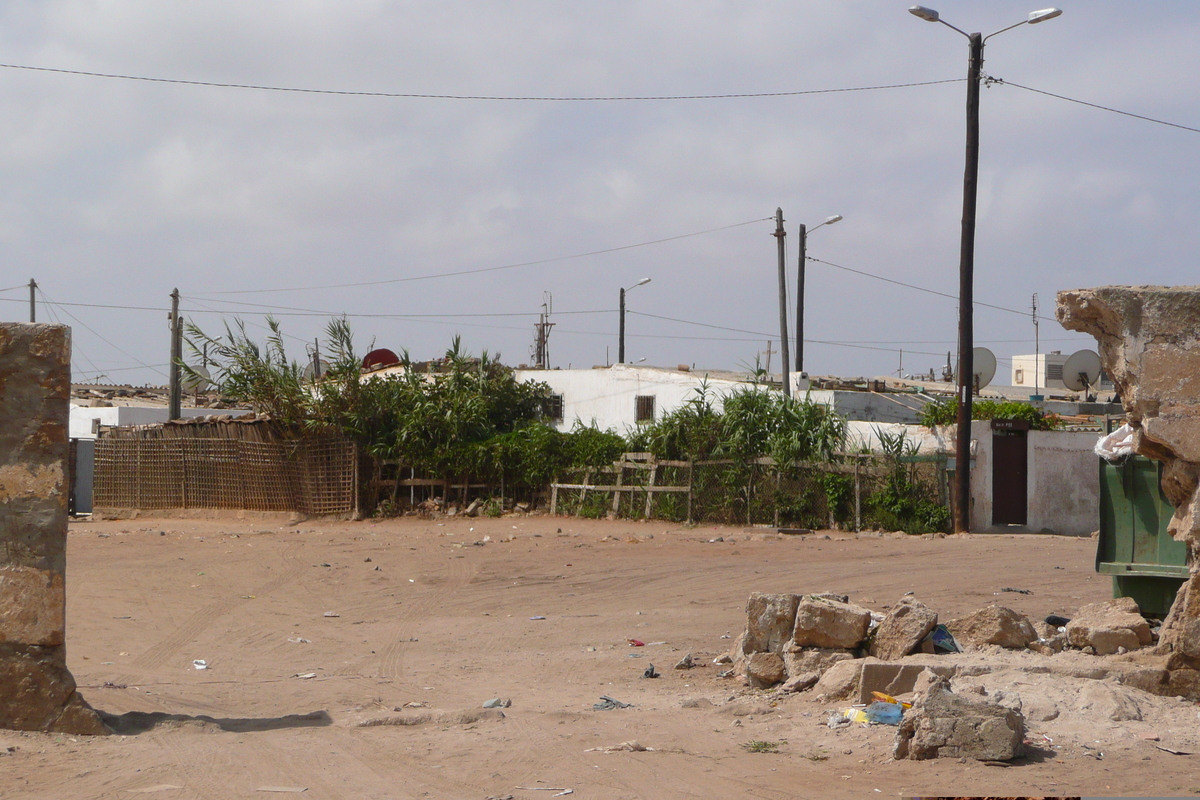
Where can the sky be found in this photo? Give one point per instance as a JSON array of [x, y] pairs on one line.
[[309, 205]]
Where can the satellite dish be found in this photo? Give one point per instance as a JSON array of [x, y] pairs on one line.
[[1081, 371], [380, 358], [197, 379], [984, 365], [308, 369]]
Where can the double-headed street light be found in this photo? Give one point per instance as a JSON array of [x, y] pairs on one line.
[[966, 269], [800, 289], [621, 338]]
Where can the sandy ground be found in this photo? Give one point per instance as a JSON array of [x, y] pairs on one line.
[[408, 611]]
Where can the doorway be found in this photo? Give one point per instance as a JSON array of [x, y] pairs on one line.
[[1010, 469]]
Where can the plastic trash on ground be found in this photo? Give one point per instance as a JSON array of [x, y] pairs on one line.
[[881, 713], [940, 640], [1116, 445]]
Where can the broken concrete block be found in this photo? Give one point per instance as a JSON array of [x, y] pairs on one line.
[[1100, 626], [827, 623], [839, 681], [994, 625], [831, 596], [895, 678], [802, 660], [805, 680], [942, 724], [764, 670], [1108, 701], [902, 630], [770, 622]]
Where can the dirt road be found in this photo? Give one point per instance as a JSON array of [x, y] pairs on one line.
[[308, 629]]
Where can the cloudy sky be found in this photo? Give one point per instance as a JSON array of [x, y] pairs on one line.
[[113, 192]]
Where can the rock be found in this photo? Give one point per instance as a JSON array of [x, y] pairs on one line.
[[994, 625], [902, 630], [1108, 701], [770, 622], [1108, 625], [1180, 632], [805, 680], [828, 623], [686, 662], [895, 678], [764, 670], [473, 509], [830, 596], [942, 724], [40, 694], [839, 681], [801, 660]]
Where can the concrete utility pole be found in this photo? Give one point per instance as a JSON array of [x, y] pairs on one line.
[[175, 400], [781, 237], [800, 270], [32, 302]]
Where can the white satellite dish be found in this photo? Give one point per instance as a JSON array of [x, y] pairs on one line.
[[195, 380], [308, 370], [1082, 371], [984, 366]]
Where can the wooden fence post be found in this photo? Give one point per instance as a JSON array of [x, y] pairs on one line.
[[616, 503], [653, 466], [691, 478], [857, 497]]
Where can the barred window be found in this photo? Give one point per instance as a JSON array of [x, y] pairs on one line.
[[1019, 376], [644, 408], [554, 407], [1054, 372]]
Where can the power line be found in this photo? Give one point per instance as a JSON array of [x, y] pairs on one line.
[[425, 96], [48, 301], [1094, 105], [291, 311], [922, 288], [493, 269], [14, 288]]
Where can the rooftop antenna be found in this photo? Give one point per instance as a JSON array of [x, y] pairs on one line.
[[1036, 346], [541, 340]]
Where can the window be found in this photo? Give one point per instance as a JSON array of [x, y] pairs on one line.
[[554, 408], [1054, 372], [644, 408], [1019, 376]]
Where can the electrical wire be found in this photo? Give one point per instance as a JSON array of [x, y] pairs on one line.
[[14, 288], [923, 289], [97, 335], [1003, 82], [493, 269], [425, 96], [291, 311]]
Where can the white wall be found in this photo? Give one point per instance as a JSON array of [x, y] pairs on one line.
[[605, 397], [872, 406], [865, 435], [1062, 482], [81, 426]]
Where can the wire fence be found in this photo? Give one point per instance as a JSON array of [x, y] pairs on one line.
[[852, 492]]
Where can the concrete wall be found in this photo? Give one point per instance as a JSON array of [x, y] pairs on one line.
[[872, 406], [82, 417], [865, 435], [605, 396], [1062, 482], [37, 692]]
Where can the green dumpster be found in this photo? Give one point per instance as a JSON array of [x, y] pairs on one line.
[[1135, 548]]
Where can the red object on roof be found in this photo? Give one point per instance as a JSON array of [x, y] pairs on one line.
[[380, 358]]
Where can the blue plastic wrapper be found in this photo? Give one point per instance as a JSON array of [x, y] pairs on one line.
[[881, 713]]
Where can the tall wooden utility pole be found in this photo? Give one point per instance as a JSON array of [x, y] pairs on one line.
[[781, 237], [175, 399]]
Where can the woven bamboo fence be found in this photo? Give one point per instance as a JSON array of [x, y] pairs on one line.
[[227, 465]]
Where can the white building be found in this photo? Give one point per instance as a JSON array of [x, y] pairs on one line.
[[86, 421], [1045, 371]]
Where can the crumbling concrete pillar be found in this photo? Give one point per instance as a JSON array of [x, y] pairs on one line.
[[1149, 339], [37, 692]]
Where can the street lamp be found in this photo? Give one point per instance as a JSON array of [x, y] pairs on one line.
[[621, 338], [966, 268], [800, 290]]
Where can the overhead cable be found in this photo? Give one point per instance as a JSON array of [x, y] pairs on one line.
[[1094, 105]]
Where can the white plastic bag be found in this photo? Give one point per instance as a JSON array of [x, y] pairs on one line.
[[1116, 445]]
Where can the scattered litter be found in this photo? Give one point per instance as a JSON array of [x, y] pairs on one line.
[[538, 617], [499, 797], [887, 698], [654, 644], [561, 791], [367, 560], [650, 672], [200, 663], [637, 655], [299, 640], [636, 643], [883, 713], [130, 618], [305, 675], [1056, 620], [413, 704], [726, 674], [162, 787], [249, 596], [940, 640], [332, 614], [111, 685], [1016, 591], [1172, 751], [627, 747], [723, 659], [497, 702], [608, 703], [726, 636], [837, 719]]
